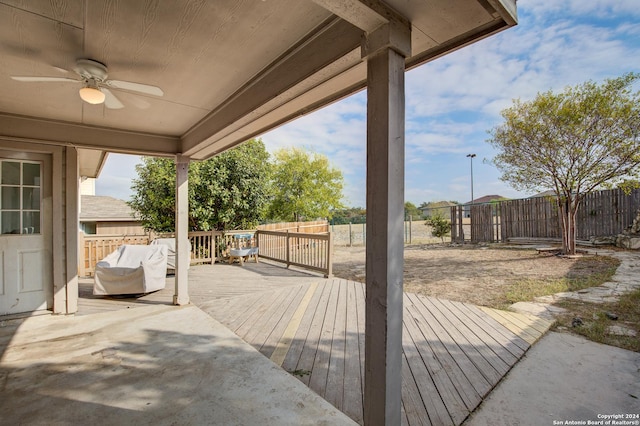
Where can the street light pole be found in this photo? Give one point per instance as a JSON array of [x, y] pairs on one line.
[[471, 157]]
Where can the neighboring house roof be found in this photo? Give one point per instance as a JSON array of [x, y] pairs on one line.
[[98, 208], [487, 199], [437, 205], [549, 193]]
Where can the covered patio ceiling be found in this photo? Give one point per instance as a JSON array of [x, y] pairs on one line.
[[230, 70]]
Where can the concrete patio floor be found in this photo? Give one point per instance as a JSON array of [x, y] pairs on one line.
[[143, 361], [146, 365]]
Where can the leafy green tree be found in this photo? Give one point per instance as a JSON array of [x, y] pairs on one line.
[[305, 186], [440, 227], [577, 141], [349, 215], [410, 209], [229, 191], [153, 198]]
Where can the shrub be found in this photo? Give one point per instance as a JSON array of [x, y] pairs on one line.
[[440, 227]]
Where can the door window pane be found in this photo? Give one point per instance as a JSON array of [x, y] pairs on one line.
[[31, 198], [10, 198], [10, 173], [31, 174], [31, 222], [20, 197], [10, 222]]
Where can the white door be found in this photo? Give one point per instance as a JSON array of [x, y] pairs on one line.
[[25, 233]]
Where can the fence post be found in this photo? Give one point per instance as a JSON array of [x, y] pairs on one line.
[[329, 256], [364, 234], [81, 255], [350, 242], [410, 225], [212, 247], [288, 249]]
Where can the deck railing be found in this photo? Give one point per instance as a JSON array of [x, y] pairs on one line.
[[309, 251], [94, 248]]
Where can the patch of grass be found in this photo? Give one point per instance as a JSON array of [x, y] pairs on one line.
[[596, 323], [587, 272]]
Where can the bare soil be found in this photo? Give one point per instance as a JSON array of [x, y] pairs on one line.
[[469, 273]]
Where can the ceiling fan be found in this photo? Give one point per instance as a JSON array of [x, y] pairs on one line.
[[95, 85]]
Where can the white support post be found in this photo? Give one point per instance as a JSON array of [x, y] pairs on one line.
[[181, 295], [385, 50]]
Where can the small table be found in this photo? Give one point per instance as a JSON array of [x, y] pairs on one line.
[[243, 250], [243, 254]]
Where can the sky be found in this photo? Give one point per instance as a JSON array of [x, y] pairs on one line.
[[452, 102]]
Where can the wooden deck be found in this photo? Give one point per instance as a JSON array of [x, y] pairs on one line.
[[453, 353]]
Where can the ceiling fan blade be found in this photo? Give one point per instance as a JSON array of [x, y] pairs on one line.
[[136, 87], [138, 101], [110, 100], [45, 79]]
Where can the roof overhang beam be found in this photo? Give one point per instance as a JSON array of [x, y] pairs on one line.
[[37, 130]]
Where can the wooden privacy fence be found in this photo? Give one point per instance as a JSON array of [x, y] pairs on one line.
[[313, 227], [309, 251], [459, 230], [601, 214], [484, 223]]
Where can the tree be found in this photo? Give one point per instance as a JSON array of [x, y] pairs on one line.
[[440, 227], [305, 186], [229, 191], [410, 209], [574, 142], [349, 215]]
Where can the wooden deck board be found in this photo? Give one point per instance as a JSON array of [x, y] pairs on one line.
[[518, 344], [336, 371], [262, 309], [352, 395], [453, 353], [467, 379], [292, 357], [307, 358], [484, 358], [414, 407], [508, 351], [527, 327], [283, 345], [360, 300], [320, 369], [447, 375], [421, 375], [275, 325]]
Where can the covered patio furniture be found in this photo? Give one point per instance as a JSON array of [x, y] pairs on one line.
[[132, 269], [171, 252]]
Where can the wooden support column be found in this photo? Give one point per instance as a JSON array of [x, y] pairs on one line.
[[385, 49], [72, 223], [181, 295]]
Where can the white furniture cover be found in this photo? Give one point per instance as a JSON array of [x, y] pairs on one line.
[[132, 269], [171, 254]]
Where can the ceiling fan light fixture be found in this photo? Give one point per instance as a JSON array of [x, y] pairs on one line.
[[92, 95]]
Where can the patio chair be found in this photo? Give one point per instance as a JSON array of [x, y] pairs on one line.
[[131, 269]]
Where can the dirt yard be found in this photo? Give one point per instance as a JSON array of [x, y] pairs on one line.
[[467, 273]]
